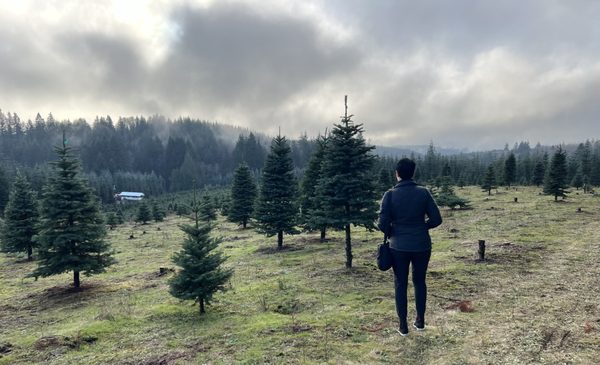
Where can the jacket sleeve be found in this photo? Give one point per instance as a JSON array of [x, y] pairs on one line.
[[434, 217], [385, 217]]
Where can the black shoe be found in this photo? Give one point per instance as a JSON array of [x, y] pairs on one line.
[[403, 329], [419, 324]]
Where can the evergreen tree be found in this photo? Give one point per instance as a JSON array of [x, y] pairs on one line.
[[346, 187], [20, 219], [4, 190], [158, 213], [510, 169], [243, 196], [446, 197], [276, 210], [556, 178], [72, 232], [577, 180], [111, 220], [384, 182], [201, 274], [538, 173], [489, 182], [207, 209], [143, 214], [312, 211]]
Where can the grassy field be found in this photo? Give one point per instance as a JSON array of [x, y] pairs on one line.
[[534, 301]]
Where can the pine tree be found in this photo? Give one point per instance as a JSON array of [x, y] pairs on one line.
[[489, 181], [383, 181], [143, 214], [4, 190], [276, 209], [243, 196], [158, 213], [577, 180], [313, 216], [346, 186], [72, 232], [207, 209], [20, 219], [510, 169], [538, 173], [556, 178], [446, 197], [111, 220], [201, 274]]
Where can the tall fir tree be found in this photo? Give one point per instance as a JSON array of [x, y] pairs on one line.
[[158, 213], [144, 215], [489, 181], [21, 218], [201, 274], [510, 169], [276, 209], [312, 216], [577, 181], [72, 232], [207, 209], [243, 196], [556, 178], [538, 173], [346, 186]]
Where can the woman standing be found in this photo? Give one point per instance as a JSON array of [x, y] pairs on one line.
[[407, 213]]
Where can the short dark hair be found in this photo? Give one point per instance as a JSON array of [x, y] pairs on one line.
[[406, 168]]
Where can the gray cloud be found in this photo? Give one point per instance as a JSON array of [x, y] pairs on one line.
[[461, 73]]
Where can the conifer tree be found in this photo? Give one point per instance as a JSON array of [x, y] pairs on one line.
[[158, 214], [111, 220], [383, 181], [201, 274], [313, 217], [20, 219], [538, 173], [555, 182], [243, 196], [276, 209], [4, 190], [489, 182], [72, 233], [577, 180], [143, 214], [207, 209], [510, 169], [346, 186]]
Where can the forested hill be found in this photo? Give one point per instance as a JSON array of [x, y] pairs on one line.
[[156, 155]]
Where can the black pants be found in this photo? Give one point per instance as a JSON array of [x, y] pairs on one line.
[[419, 262]]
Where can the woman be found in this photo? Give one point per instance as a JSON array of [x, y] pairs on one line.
[[407, 213]]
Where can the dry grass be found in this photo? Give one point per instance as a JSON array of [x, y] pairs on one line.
[[533, 301]]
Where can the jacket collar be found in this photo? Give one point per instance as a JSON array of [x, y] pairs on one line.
[[405, 183]]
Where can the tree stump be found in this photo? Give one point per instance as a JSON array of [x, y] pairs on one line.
[[579, 210], [516, 200], [481, 251]]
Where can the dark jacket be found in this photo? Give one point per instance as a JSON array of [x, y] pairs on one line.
[[408, 216]]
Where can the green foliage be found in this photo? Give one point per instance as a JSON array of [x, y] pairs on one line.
[[313, 214], [20, 218], [201, 274], [538, 173], [243, 196], [207, 208], [4, 190], [72, 233], [577, 181], [446, 197], [384, 180], [158, 213], [489, 181], [346, 187], [555, 182], [510, 169], [276, 210], [143, 214], [111, 220]]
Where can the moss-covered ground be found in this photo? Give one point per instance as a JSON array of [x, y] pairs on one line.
[[535, 300]]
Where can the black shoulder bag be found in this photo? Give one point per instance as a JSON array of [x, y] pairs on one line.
[[384, 255]]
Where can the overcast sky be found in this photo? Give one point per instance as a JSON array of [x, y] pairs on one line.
[[460, 73]]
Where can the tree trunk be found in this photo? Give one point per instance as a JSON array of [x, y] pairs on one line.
[[201, 301], [555, 198], [348, 247], [323, 230], [76, 282], [29, 253], [244, 223], [279, 240], [489, 192], [481, 251]]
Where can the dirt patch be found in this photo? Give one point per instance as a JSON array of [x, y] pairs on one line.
[[269, 250], [165, 359], [47, 342]]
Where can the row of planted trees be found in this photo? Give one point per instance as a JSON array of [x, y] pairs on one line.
[[337, 190]]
